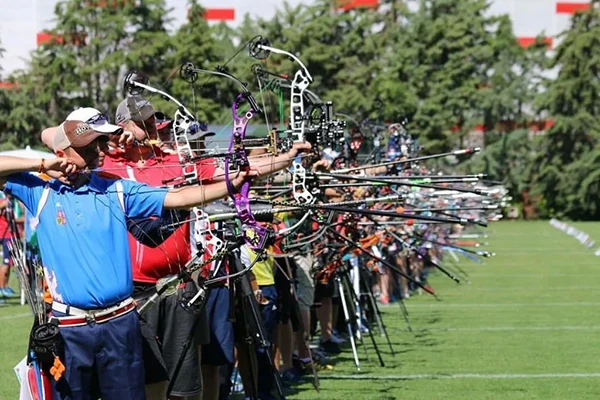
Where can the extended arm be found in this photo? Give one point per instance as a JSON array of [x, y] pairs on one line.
[[272, 164], [194, 196], [269, 165]]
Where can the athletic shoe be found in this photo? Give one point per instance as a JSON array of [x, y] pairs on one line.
[[301, 364], [335, 338], [292, 377], [321, 359], [8, 292], [330, 347]]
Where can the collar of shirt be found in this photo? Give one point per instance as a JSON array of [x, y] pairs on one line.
[[95, 184]]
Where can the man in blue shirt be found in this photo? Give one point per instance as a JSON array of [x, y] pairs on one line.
[[82, 234]]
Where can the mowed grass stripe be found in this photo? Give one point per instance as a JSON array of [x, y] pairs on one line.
[[462, 376], [533, 290]]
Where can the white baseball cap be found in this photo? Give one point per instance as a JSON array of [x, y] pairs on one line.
[[98, 121]]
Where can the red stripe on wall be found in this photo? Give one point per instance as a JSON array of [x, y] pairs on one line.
[[351, 4], [220, 14], [571, 8], [529, 40], [45, 37]]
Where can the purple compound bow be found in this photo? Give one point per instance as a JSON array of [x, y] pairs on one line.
[[254, 234]]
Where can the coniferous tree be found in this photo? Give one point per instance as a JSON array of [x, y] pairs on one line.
[[20, 119], [194, 42], [566, 170], [94, 43]]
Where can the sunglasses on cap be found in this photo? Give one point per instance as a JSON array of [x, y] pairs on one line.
[[98, 119]]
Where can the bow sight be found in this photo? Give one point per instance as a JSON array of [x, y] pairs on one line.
[[323, 129]]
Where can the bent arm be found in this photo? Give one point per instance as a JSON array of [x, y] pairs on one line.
[[11, 165]]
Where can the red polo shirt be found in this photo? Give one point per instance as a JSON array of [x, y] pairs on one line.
[[150, 264]]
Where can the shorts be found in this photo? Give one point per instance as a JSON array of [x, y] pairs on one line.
[[324, 290], [154, 364], [286, 304], [172, 325], [219, 350], [6, 260], [305, 287]]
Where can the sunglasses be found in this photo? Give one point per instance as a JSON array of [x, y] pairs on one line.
[[92, 149]]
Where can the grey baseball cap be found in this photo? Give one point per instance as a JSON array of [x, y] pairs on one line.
[[134, 108]]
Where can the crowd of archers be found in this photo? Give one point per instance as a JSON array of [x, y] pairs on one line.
[[158, 269]]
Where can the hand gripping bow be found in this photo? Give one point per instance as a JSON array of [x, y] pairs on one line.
[[254, 234]]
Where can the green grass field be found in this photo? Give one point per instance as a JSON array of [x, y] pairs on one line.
[[526, 327]]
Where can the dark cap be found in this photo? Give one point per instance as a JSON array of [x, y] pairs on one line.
[[134, 108]]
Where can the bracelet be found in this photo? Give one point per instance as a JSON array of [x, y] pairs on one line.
[[42, 167]]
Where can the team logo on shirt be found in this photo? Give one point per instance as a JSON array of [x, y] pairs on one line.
[[61, 218]]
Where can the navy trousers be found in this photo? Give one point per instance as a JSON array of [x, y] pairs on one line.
[[102, 361]]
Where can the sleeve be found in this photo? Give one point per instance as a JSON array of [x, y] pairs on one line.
[[27, 188], [245, 257], [153, 232], [142, 201], [146, 231]]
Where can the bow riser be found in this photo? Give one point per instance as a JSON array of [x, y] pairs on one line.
[[254, 235]]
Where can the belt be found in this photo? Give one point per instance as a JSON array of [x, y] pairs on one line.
[[78, 317]]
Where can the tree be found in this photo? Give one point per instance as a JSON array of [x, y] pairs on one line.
[[510, 87], [507, 160], [92, 46], [20, 120], [571, 100], [454, 47], [194, 42]]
